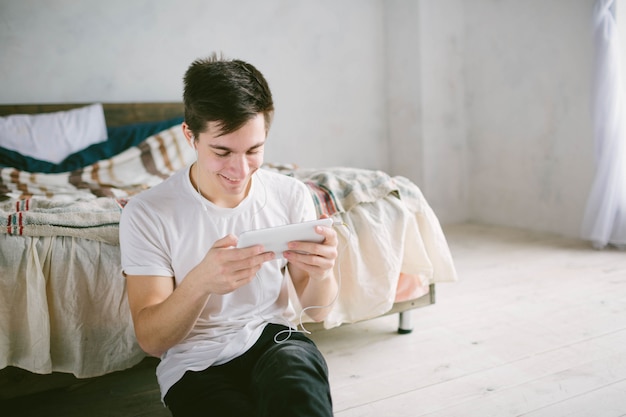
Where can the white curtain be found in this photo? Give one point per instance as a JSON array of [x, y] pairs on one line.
[[604, 222]]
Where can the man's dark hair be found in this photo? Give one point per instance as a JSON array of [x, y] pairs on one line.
[[230, 92]]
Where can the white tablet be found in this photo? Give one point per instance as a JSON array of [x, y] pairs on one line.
[[275, 239]]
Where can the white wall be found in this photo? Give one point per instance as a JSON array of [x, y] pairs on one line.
[[321, 58], [528, 83], [484, 104], [489, 108], [426, 101]]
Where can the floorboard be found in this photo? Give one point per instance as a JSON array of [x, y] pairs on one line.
[[121, 394], [535, 327], [535, 323]]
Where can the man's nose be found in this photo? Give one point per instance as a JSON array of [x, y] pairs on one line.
[[241, 166]]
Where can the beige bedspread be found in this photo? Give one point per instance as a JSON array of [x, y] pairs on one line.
[[63, 307], [62, 296], [390, 232]]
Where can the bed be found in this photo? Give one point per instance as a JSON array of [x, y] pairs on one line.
[[63, 308]]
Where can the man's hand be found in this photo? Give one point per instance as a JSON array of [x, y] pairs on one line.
[[316, 259], [226, 268]]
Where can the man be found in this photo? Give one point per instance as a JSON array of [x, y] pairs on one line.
[[215, 314]]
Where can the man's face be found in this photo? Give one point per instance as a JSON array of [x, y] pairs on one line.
[[226, 163]]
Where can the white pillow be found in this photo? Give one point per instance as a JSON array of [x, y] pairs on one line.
[[53, 136]]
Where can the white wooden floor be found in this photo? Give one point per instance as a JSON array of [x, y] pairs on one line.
[[536, 326]]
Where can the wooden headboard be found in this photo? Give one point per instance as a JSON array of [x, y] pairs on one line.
[[116, 114]]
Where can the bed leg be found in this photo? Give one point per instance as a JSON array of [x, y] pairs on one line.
[[405, 324]]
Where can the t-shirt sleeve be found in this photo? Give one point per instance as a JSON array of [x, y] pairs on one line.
[[142, 242], [305, 202]]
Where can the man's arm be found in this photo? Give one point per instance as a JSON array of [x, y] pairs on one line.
[[164, 314]]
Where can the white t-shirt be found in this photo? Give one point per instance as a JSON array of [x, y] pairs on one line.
[[168, 229]]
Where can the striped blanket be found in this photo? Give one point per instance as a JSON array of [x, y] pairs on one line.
[[339, 190], [87, 203], [122, 176]]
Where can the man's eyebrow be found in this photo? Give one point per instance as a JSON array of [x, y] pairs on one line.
[[227, 149]]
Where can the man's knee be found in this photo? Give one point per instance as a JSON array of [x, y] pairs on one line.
[[295, 356], [291, 378]]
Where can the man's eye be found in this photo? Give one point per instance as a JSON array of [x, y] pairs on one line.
[[222, 155]]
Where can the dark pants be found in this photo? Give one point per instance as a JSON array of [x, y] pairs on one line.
[[271, 379]]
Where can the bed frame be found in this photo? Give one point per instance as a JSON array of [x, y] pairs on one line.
[[116, 114]]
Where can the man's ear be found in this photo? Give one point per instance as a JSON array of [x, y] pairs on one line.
[[189, 135]]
